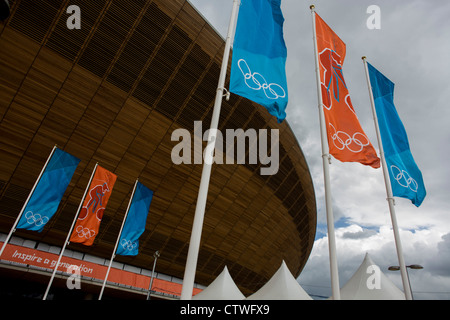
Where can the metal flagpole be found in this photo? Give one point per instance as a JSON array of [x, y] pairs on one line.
[[196, 233], [13, 229], [69, 234], [117, 241], [155, 257], [326, 158], [390, 197]]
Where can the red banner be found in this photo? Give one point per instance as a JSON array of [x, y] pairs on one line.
[[346, 139], [47, 260], [91, 213]]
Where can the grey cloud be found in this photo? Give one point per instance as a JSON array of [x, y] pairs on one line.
[[366, 233]]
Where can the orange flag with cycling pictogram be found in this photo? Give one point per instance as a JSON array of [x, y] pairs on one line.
[[94, 203], [346, 139]]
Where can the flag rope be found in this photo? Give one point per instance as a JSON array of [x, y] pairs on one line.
[[326, 160], [13, 229], [197, 226], [390, 197], [66, 242], [117, 241]]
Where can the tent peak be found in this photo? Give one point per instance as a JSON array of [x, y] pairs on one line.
[[369, 283], [282, 286], [222, 288]]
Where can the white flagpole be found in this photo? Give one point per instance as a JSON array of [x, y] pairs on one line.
[[13, 229], [69, 234], [336, 294], [196, 233], [390, 197], [117, 241]]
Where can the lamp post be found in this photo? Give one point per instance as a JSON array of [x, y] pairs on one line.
[[412, 266], [156, 256]]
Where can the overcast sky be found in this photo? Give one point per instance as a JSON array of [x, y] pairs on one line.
[[412, 50]]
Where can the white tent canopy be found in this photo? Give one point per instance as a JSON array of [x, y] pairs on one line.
[[222, 288], [369, 283], [282, 286]]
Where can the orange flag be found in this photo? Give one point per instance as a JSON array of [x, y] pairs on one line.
[[346, 139], [91, 213]]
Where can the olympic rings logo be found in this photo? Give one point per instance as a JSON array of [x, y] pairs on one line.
[[128, 245], [355, 143], [85, 232], [36, 219], [404, 179], [272, 91]]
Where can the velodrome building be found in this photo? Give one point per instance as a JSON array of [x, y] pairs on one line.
[[112, 92]]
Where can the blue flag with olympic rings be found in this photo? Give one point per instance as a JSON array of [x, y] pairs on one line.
[[258, 68], [405, 176], [49, 191], [135, 223]]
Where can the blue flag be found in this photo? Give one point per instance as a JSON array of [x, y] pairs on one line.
[[406, 178], [135, 222], [49, 191], [258, 69]]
